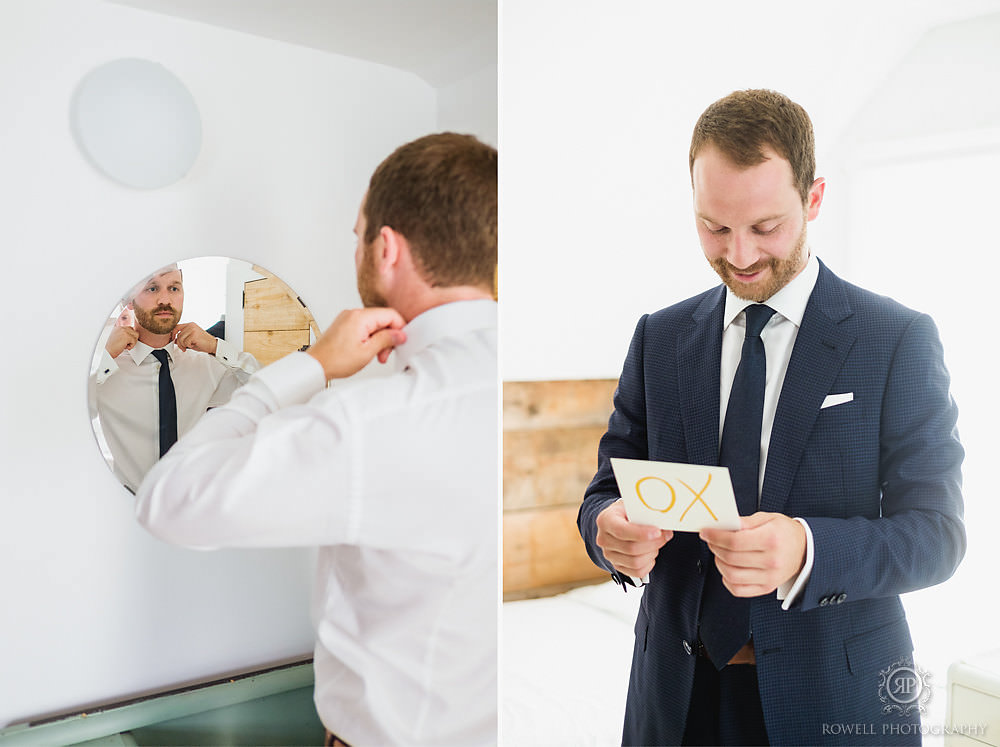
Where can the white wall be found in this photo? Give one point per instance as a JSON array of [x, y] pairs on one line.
[[466, 80], [469, 105], [93, 607], [598, 101]]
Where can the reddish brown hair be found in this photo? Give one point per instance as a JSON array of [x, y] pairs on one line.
[[440, 192], [744, 123]]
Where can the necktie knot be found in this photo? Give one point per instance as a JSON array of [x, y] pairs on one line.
[[757, 317], [161, 356]]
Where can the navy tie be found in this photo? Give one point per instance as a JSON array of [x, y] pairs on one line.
[[725, 619], [168, 403]]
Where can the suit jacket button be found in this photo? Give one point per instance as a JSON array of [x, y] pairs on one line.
[[842, 598], [700, 568], [687, 648], [824, 601]]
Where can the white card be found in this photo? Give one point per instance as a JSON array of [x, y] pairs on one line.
[[682, 497]]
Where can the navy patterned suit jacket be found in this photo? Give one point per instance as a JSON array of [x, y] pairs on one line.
[[877, 478]]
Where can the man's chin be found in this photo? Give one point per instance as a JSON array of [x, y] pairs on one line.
[[164, 328], [757, 291], [748, 291]]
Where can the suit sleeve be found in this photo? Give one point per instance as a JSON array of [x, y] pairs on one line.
[[918, 539], [625, 437]]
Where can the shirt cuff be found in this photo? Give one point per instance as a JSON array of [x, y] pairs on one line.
[[227, 353], [293, 380], [106, 367], [790, 590]]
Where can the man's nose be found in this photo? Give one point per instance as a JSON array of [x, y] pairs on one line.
[[741, 250]]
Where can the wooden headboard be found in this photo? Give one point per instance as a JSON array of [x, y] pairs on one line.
[[550, 434]]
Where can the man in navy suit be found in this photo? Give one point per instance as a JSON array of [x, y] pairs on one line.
[[789, 630]]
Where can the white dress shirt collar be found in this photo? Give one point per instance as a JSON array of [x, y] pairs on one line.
[[790, 301], [448, 320], [141, 350]]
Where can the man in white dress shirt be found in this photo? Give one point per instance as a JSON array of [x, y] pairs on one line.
[[204, 370], [394, 478]]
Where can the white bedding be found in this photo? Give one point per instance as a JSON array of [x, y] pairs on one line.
[[566, 662]]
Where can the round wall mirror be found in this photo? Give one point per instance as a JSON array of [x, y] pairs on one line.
[[179, 342], [137, 123]]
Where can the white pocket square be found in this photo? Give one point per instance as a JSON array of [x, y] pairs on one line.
[[837, 399]]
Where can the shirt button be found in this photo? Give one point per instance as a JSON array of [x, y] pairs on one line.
[[687, 648]]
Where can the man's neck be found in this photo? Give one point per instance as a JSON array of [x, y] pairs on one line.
[[152, 339], [416, 304]]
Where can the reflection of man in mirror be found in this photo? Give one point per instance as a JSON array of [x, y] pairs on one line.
[[126, 318], [394, 478], [142, 407]]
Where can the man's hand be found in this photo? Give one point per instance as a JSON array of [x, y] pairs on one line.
[[355, 337], [630, 548], [190, 336], [120, 340], [768, 550]]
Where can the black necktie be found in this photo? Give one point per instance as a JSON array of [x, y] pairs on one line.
[[725, 619], [168, 404]]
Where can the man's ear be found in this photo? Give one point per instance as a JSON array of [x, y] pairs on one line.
[[393, 247], [815, 198]]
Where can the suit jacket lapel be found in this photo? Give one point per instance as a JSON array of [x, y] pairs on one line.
[[820, 349], [699, 353]]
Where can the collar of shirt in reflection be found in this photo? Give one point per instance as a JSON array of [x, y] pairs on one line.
[[140, 351]]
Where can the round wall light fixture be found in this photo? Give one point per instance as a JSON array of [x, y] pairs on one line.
[[137, 123]]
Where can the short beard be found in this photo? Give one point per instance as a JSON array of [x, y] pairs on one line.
[[370, 297], [782, 272], [148, 321]]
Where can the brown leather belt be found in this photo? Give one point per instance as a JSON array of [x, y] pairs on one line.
[[744, 656]]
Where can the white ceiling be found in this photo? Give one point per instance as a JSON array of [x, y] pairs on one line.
[[438, 40], [855, 41]]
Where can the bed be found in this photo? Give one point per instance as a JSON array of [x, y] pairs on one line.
[[565, 669]]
